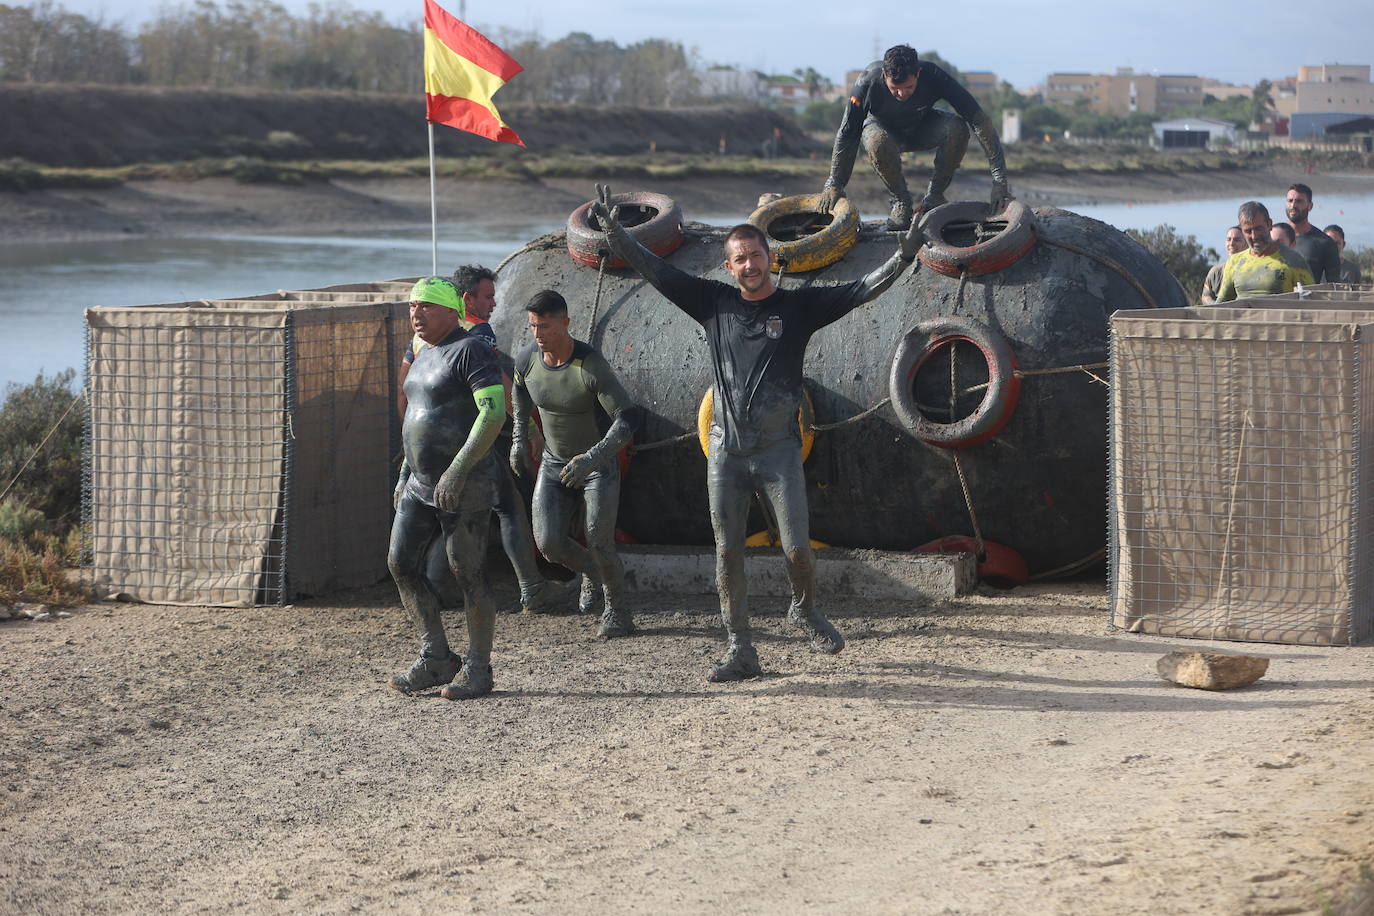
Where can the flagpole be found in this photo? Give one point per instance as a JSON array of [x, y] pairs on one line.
[[433, 208]]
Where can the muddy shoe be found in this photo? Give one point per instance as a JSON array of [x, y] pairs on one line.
[[824, 637], [589, 600], [615, 623], [546, 598], [740, 663], [426, 673], [899, 220], [470, 684]]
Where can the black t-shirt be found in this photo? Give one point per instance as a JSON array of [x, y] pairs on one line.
[[870, 96], [440, 410], [757, 351], [1322, 254]]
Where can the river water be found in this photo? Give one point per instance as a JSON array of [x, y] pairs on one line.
[[45, 287]]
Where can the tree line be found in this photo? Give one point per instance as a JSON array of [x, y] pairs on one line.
[[258, 44]]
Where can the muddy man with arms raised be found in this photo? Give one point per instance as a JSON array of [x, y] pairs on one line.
[[757, 335]]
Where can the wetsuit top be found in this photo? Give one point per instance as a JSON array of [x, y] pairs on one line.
[[1248, 274], [1322, 254], [757, 350], [567, 397], [440, 410], [1212, 285], [870, 96]]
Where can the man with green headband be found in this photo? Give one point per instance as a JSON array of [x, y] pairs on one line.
[[455, 405]]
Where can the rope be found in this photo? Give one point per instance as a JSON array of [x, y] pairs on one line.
[[596, 304], [650, 446], [1109, 264], [968, 501], [76, 399], [1067, 568], [824, 427]]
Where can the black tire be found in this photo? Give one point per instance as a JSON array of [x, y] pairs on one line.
[[999, 399], [787, 222], [654, 220], [952, 247]]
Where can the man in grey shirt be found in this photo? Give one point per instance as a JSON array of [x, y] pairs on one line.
[[1350, 271], [1322, 255]]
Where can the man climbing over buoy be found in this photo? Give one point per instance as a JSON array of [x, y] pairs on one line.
[[891, 108], [455, 405], [757, 336], [567, 380]]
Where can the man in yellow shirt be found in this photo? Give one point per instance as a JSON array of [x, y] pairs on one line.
[[1265, 267]]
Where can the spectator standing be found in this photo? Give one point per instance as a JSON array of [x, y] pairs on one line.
[[1323, 257]]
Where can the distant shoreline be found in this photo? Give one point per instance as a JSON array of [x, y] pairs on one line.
[[214, 206]]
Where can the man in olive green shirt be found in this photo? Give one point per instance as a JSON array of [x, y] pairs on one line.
[[1265, 267], [567, 380]]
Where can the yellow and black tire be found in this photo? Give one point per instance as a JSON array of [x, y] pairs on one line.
[[789, 223], [806, 421]]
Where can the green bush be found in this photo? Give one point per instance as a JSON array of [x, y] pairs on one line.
[[1183, 256], [51, 482], [20, 523]]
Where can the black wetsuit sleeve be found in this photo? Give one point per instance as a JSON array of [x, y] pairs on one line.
[[691, 294], [831, 303], [851, 127], [952, 91], [476, 366]]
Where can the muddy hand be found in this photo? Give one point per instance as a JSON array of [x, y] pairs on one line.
[[519, 458], [607, 214], [829, 196], [1001, 196], [912, 240], [449, 488], [576, 471]]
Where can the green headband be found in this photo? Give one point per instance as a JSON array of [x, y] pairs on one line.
[[438, 291]]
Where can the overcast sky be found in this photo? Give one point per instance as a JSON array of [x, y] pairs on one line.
[[1020, 41]]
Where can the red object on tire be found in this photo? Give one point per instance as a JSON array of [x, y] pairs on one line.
[[999, 566], [653, 220], [948, 226], [999, 400]]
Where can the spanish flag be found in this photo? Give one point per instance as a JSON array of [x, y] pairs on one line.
[[463, 70]]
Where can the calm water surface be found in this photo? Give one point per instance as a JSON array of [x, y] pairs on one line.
[[45, 288]]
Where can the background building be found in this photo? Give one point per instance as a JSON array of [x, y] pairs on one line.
[[1322, 96], [1125, 91]]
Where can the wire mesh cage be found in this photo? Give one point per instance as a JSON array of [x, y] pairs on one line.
[[1240, 474], [238, 452]]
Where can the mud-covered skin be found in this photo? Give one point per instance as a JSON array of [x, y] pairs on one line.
[[554, 505], [888, 127]]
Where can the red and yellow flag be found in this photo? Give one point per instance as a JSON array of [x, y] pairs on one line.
[[463, 70]]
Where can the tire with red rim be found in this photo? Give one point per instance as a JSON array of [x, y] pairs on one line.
[[955, 245], [999, 398], [654, 220]]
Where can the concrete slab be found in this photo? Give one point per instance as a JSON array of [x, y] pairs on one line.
[[839, 571]]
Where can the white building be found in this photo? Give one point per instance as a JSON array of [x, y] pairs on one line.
[[1193, 133]]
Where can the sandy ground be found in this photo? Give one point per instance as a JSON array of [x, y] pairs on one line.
[[218, 206], [1000, 753]]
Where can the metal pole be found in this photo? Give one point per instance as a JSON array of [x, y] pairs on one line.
[[433, 208]]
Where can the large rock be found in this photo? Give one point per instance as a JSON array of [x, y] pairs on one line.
[[1212, 670]]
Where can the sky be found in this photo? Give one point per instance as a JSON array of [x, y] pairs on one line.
[[1019, 41]]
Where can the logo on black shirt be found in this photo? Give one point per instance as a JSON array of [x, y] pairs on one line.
[[773, 327]]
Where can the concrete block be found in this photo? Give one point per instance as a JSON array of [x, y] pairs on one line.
[[839, 571]]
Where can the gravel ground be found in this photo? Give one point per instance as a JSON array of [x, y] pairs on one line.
[[999, 753]]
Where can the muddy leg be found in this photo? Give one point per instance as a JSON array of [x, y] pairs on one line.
[[415, 528], [885, 155], [602, 500], [554, 505], [517, 539], [466, 537], [729, 488], [783, 484], [947, 134]]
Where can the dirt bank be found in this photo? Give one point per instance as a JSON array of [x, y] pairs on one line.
[[213, 206], [1003, 753]]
